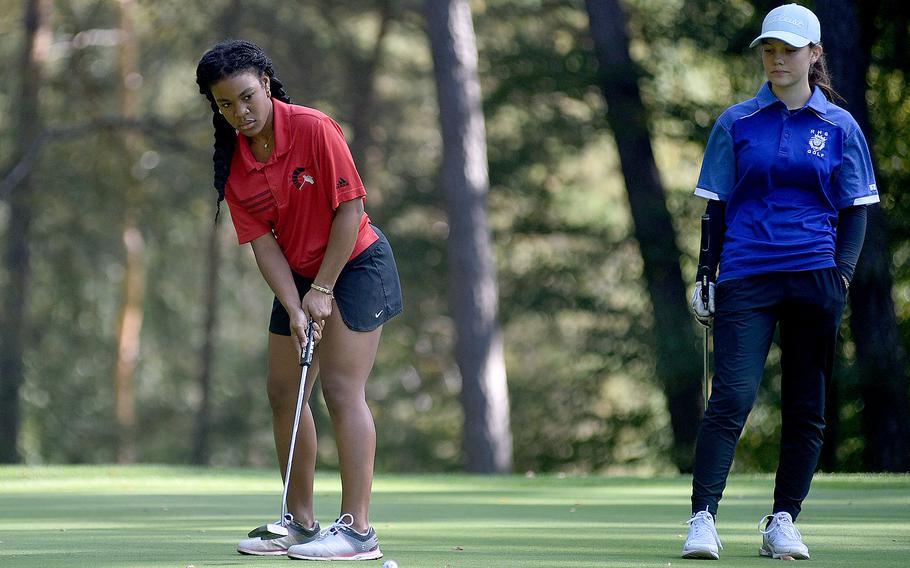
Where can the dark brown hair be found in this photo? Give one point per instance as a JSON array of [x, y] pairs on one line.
[[819, 76], [224, 60]]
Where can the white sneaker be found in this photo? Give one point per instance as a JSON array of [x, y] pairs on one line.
[[339, 542], [279, 546], [702, 541], [781, 538]]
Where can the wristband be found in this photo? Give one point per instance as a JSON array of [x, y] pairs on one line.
[[327, 291], [846, 282]]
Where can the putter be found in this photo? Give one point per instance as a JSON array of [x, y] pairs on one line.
[[279, 529], [705, 278]]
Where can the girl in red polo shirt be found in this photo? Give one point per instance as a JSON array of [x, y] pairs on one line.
[[295, 195]]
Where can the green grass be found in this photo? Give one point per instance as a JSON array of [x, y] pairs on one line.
[[148, 516]]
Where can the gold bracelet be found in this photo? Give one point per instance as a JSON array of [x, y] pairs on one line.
[[327, 291]]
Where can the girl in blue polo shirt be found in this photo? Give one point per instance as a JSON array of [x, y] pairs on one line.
[[787, 176]]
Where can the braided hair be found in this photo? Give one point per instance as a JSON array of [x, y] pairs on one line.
[[226, 59]]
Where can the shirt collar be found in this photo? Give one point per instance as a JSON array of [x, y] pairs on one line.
[[818, 101], [282, 127], [766, 97]]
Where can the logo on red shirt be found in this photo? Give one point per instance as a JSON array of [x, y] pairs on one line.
[[298, 178]]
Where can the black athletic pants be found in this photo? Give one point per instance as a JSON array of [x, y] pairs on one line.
[[808, 307]]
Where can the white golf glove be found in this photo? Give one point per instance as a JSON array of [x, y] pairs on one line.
[[704, 314]]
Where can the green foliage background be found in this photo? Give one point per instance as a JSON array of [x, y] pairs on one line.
[[573, 306]]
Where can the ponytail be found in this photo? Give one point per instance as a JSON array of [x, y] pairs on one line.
[[819, 77], [224, 60]]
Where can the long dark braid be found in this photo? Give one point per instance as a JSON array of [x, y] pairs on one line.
[[224, 60]]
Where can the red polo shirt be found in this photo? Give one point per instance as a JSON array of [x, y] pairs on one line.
[[296, 191]]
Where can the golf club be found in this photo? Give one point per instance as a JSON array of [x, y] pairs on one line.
[[704, 277], [280, 528]]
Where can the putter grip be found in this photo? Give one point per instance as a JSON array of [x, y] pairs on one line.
[[703, 271], [307, 356]]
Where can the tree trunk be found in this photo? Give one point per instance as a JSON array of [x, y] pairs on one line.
[[129, 325], [13, 315], [473, 292], [873, 322], [678, 358], [363, 81], [203, 412], [201, 442]]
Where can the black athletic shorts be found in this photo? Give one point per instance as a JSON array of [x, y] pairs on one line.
[[367, 292]]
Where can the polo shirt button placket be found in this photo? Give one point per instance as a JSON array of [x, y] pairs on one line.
[[273, 186], [785, 140]]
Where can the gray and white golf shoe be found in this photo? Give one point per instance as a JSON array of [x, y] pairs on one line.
[[339, 542], [279, 546]]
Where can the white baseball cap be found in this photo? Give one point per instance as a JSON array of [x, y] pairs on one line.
[[791, 24]]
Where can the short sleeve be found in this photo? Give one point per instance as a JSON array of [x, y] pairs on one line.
[[336, 165], [855, 181], [246, 226], [718, 167]]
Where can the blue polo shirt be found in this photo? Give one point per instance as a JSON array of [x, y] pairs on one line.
[[784, 175]]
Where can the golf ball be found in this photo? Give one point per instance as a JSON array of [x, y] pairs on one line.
[[389, 564]]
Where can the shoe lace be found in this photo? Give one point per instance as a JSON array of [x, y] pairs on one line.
[[345, 521], [782, 522], [291, 523], [702, 522]]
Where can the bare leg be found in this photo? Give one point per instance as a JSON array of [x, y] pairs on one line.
[[283, 385], [347, 358]]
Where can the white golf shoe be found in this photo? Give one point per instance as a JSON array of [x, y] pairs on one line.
[[279, 546], [702, 541], [339, 542], [781, 538]]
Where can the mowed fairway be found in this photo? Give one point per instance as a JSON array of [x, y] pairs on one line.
[[149, 516]]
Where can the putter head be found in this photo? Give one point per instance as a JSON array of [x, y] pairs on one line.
[[269, 531]]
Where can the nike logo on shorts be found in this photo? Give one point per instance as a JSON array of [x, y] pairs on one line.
[[379, 313]]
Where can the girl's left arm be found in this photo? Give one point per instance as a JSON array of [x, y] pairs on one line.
[[342, 238], [851, 231]]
